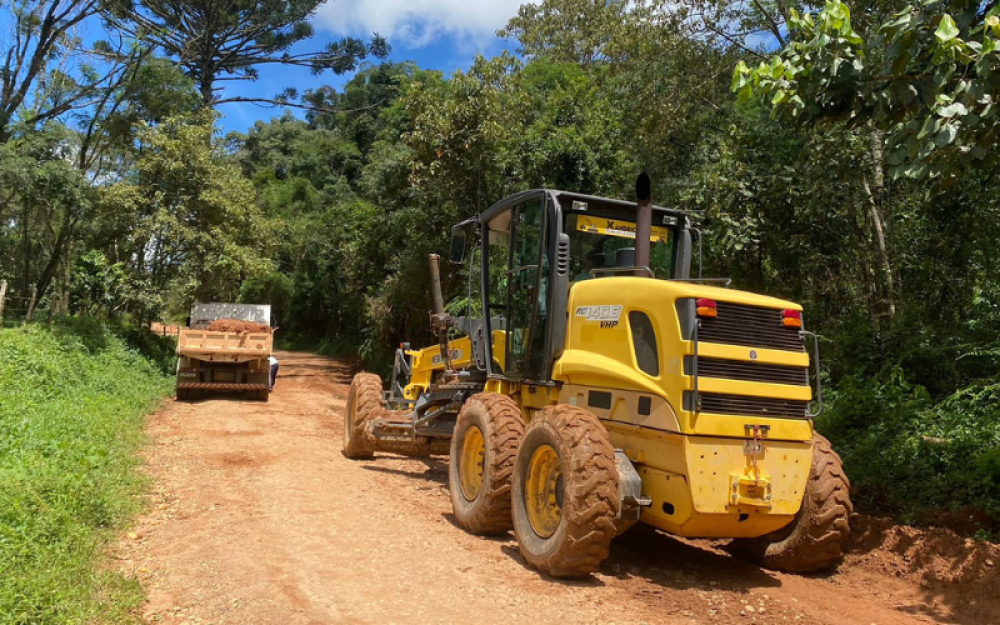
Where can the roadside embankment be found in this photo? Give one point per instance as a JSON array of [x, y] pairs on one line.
[[72, 407]]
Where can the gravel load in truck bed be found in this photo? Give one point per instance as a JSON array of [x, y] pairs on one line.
[[237, 326]]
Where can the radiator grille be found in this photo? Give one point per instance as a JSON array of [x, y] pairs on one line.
[[749, 326], [749, 371], [753, 406]]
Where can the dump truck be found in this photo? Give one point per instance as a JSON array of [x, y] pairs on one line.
[[596, 384], [232, 359]]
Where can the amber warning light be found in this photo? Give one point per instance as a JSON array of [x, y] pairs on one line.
[[791, 318], [707, 308]]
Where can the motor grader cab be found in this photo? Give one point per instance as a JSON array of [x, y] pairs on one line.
[[596, 385]]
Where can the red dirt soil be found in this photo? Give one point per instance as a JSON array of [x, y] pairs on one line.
[[256, 517], [237, 326]]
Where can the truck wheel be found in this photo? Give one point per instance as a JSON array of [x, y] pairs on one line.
[[483, 448], [565, 492], [183, 394], [263, 395], [364, 402], [814, 541]]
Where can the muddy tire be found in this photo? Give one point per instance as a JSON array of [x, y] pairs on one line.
[[364, 403], [814, 541], [262, 395], [483, 448], [183, 394], [565, 492]]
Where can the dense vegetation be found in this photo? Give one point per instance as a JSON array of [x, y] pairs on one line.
[[72, 402], [837, 154]]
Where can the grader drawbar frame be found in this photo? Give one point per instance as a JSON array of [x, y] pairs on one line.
[[425, 424]]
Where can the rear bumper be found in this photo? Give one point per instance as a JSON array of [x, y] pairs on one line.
[[222, 386]]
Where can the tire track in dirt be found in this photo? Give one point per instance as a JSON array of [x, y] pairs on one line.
[[256, 517]]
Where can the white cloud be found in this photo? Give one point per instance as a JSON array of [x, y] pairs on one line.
[[415, 23]]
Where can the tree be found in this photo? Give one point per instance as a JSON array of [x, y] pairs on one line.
[[653, 60], [927, 78], [185, 221], [458, 130], [357, 109], [43, 200], [47, 71], [223, 41], [578, 31]]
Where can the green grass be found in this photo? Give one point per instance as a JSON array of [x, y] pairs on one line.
[[72, 406]]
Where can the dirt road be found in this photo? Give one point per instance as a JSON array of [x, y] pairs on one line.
[[256, 517]]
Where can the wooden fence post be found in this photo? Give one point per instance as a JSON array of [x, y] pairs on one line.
[[3, 297]]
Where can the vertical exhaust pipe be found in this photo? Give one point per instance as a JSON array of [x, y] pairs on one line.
[[440, 320], [436, 284], [643, 221]]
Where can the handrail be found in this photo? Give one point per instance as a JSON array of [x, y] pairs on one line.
[[725, 281], [819, 382], [612, 270]]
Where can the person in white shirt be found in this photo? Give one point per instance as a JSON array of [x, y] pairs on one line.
[[274, 370]]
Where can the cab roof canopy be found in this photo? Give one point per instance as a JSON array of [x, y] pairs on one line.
[[568, 202]]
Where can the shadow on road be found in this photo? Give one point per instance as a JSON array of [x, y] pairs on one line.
[[642, 552], [646, 554], [436, 469]]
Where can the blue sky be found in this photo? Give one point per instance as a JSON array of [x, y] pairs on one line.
[[437, 34]]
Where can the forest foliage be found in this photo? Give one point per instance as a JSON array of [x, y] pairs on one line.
[[838, 154]]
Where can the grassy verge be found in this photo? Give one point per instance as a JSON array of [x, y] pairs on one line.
[[72, 402]]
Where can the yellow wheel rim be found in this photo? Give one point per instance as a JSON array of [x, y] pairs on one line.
[[472, 463], [543, 491]]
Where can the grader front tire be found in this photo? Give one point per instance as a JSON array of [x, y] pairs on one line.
[[483, 448], [815, 539], [565, 492], [364, 403]]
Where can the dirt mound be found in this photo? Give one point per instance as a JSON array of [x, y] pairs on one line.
[[958, 573], [237, 326]]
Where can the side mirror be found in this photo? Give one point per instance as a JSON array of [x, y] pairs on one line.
[[458, 242]]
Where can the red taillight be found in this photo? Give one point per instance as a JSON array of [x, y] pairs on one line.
[[706, 307], [791, 318]]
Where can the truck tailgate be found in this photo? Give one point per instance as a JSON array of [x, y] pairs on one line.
[[207, 345]]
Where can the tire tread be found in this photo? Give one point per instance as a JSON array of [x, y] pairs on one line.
[[505, 429], [591, 501]]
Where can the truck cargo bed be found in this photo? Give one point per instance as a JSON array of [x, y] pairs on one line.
[[223, 346]]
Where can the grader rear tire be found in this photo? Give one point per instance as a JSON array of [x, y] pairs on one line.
[[364, 403], [814, 541], [565, 492], [483, 447]]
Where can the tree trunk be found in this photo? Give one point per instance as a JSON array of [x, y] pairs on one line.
[[31, 304], [67, 276], [26, 245], [205, 88], [58, 248], [875, 205]]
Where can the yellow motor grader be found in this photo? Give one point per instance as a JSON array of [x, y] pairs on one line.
[[598, 384]]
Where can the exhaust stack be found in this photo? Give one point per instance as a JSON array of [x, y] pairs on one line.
[[436, 284], [643, 221], [440, 320]]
